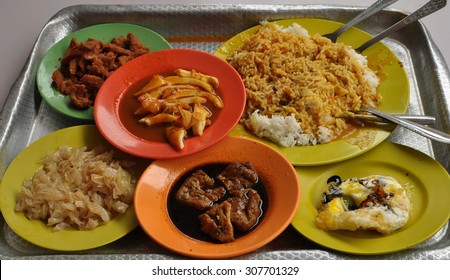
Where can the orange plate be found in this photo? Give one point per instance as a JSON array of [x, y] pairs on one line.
[[283, 192], [134, 74]]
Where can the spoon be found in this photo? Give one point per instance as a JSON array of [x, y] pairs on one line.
[[423, 130], [429, 8], [377, 6], [425, 120]]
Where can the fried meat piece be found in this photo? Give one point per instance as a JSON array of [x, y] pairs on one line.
[[100, 65], [245, 208], [198, 191], [61, 83], [85, 66], [80, 96], [92, 82], [238, 176], [135, 45], [217, 224]]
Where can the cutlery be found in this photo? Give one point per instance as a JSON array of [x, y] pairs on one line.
[[423, 130], [424, 120], [429, 8], [377, 6]]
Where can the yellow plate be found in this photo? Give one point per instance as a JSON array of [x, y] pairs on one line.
[[394, 88], [428, 184], [37, 232]]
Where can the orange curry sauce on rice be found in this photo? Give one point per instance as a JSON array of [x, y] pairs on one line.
[[301, 87]]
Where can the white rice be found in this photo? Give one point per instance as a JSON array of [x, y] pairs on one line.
[[285, 131]]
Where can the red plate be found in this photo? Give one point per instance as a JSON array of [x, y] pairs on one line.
[[113, 121]]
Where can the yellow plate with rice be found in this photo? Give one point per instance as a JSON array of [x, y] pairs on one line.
[[393, 88], [37, 232]]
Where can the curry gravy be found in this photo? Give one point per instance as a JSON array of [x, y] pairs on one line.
[[155, 133], [185, 218]]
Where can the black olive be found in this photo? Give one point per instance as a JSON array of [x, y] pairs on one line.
[[327, 198], [334, 179], [349, 202]]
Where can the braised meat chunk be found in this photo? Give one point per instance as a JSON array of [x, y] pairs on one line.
[[217, 224], [238, 176], [218, 202], [199, 191], [245, 208]]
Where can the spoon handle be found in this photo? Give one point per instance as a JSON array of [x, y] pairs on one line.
[[429, 8], [374, 8], [425, 120], [423, 130]]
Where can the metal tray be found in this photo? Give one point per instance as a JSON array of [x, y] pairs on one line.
[[25, 118]]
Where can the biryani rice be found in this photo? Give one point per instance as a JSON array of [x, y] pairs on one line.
[[77, 188], [289, 74]]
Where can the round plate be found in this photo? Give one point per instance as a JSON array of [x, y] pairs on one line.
[[37, 232], [133, 75], [283, 192], [394, 89], [103, 32], [425, 179]]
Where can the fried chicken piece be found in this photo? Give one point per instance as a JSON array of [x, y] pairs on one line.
[[238, 176], [217, 224], [245, 208], [198, 191]]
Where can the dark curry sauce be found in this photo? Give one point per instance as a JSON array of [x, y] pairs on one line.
[[186, 219]]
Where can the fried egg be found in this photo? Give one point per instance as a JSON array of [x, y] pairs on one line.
[[375, 202]]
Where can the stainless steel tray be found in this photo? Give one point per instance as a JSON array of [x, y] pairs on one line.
[[25, 118]]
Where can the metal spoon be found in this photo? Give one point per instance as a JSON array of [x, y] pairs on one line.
[[429, 8], [377, 6], [423, 130], [425, 120]]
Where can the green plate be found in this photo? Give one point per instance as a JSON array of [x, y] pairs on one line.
[[426, 181], [394, 89], [37, 232], [103, 32]]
